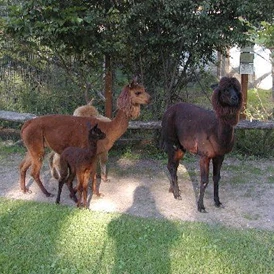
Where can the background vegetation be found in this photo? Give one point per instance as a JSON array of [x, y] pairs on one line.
[[58, 49], [54, 54]]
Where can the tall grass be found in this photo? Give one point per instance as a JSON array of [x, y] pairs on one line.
[[45, 238]]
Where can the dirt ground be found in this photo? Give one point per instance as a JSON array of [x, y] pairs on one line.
[[140, 187]]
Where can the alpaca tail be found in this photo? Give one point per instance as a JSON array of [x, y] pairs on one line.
[[162, 143]]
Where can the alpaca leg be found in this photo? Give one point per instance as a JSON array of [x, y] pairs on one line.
[[174, 156], [24, 166], [80, 181], [103, 158], [79, 191], [217, 164], [67, 173], [71, 189], [85, 189], [60, 186], [54, 163], [93, 177], [35, 173], [95, 189], [204, 169], [36, 167]]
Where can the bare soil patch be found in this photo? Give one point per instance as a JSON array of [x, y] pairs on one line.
[[140, 187]]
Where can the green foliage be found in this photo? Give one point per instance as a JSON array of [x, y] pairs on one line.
[[45, 238], [255, 142], [164, 41], [266, 35], [259, 105], [17, 93], [172, 32], [262, 34]]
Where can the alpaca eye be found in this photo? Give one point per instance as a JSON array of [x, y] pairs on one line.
[[138, 93]]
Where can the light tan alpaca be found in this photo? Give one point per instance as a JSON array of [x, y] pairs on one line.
[[85, 111], [61, 131]]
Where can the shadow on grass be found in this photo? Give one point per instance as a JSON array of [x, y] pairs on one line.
[[144, 248], [46, 238]]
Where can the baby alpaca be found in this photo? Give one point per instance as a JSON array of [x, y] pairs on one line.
[[90, 111], [79, 162]]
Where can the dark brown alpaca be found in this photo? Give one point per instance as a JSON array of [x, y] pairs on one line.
[[80, 162], [187, 127], [61, 131]]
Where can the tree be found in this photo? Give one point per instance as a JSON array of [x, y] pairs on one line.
[[171, 40], [167, 42], [79, 34], [264, 35]]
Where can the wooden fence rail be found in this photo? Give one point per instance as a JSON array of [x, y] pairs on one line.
[[151, 125]]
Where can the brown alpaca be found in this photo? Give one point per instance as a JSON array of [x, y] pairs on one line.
[[187, 127], [86, 111], [80, 162], [61, 131]]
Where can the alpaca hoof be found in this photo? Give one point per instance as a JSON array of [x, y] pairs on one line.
[[82, 206], [104, 178], [177, 195], [201, 209], [27, 191], [49, 194], [74, 198], [219, 205], [99, 195]]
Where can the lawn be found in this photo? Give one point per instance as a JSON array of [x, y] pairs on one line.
[[46, 238]]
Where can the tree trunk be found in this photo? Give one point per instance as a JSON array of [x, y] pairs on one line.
[[108, 87], [244, 83]]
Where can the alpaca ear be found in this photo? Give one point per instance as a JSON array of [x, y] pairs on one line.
[[214, 86], [134, 82], [90, 102], [95, 127]]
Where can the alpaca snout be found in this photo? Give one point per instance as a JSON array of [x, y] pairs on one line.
[[149, 99], [234, 100]]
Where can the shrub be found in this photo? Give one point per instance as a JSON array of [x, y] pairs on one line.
[[254, 142]]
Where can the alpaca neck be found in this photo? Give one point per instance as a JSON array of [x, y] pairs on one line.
[[93, 146], [119, 125], [114, 130], [225, 134]]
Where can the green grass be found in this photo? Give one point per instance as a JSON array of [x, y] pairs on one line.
[[45, 238], [8, 147], [270, 179]]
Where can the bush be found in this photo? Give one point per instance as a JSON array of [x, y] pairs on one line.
[[254, 142]]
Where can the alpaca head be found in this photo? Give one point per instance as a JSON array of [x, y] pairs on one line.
[[132, 96], [227, 100], [95, 133]]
